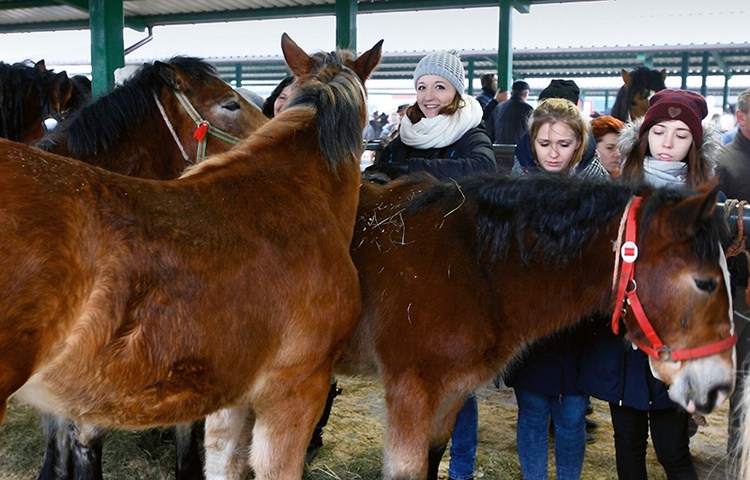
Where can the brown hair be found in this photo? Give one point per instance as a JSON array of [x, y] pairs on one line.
[[415, 113], [698, 171]]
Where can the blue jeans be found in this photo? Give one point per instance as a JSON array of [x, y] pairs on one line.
[[464, 441], [532, 433]]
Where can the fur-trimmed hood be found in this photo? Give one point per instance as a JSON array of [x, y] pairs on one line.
[[710, 148]]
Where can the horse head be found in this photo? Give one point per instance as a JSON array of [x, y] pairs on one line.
[[641, 84], [192, 85], [679, 304], [333, 82]]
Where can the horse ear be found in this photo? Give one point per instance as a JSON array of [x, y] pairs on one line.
[[626, 77], [663, 73], [169, 75], [40, 66], [693, 212], [366, 63], [60, 92], [299, 62]]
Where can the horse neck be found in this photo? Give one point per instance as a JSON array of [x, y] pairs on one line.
[[539, 298]]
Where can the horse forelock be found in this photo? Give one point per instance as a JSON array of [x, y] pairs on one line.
[[711, 237], [338, 98]]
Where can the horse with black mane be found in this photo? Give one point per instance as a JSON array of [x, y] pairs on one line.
[[29, 94], [144, 128], [632, 98], [134, 303], [450, 274]]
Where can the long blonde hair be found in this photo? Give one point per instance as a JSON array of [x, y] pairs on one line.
[[554, 110]]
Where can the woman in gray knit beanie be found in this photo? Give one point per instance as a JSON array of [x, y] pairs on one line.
[[442, 132]]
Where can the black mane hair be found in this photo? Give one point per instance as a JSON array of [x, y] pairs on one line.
[[103, 123], [551, 217], [15, 80]]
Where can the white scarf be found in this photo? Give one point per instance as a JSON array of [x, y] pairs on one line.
[[664, 174], [442, 130]]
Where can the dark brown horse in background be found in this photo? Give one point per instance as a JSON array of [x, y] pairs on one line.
[[129, 131], [457, 278], [632, 98], [136, 303], [29, 94]]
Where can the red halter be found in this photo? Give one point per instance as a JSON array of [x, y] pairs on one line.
[[627, 292]]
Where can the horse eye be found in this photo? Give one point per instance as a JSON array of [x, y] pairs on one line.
[[706, 284], [232, 106]]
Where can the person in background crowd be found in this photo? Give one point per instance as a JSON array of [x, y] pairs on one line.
[[733, 169], [544, 378], [510, 119], [567, 89], [489, 88], [391, 129], [606, 131], [276, 101], [669, 147], [441, 133]]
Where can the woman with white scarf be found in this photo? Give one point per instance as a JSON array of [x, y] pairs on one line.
[[442, 132]]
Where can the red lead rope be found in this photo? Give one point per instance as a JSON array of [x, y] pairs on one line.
[[629, 254]]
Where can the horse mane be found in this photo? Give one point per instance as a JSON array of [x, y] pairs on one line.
[[552, 217], [336, 94], [102, 124], [14, 78]]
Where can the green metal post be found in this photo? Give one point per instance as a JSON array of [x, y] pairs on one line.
[[685, 70], [107, 45], [346, 24], [704, 74], [238, 75], [505, 47]]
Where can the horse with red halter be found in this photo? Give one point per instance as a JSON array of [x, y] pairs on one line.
[[632, 98], [29, 94], [134, 303], [446, 272], [144, 128]]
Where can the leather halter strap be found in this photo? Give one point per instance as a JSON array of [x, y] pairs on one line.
[[203, 127], [627, 294]]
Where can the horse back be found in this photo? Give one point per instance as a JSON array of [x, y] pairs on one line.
[[421, 284], [124, 281]]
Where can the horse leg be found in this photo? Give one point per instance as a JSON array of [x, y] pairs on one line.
[[285, 418], [317, 437], [58, 460], [411, 412], [433, 460], [187, 457], [227, 439], [87, 444]]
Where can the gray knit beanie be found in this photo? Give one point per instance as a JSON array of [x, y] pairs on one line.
[[444, 64]]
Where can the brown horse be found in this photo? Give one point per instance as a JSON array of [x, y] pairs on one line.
[[457, 278], [129, 131], [632, 98], [29, 94], [133, 303]]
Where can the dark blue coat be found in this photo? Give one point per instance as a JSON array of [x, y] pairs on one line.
[[611, 370], [550, 365], [509, 121]]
